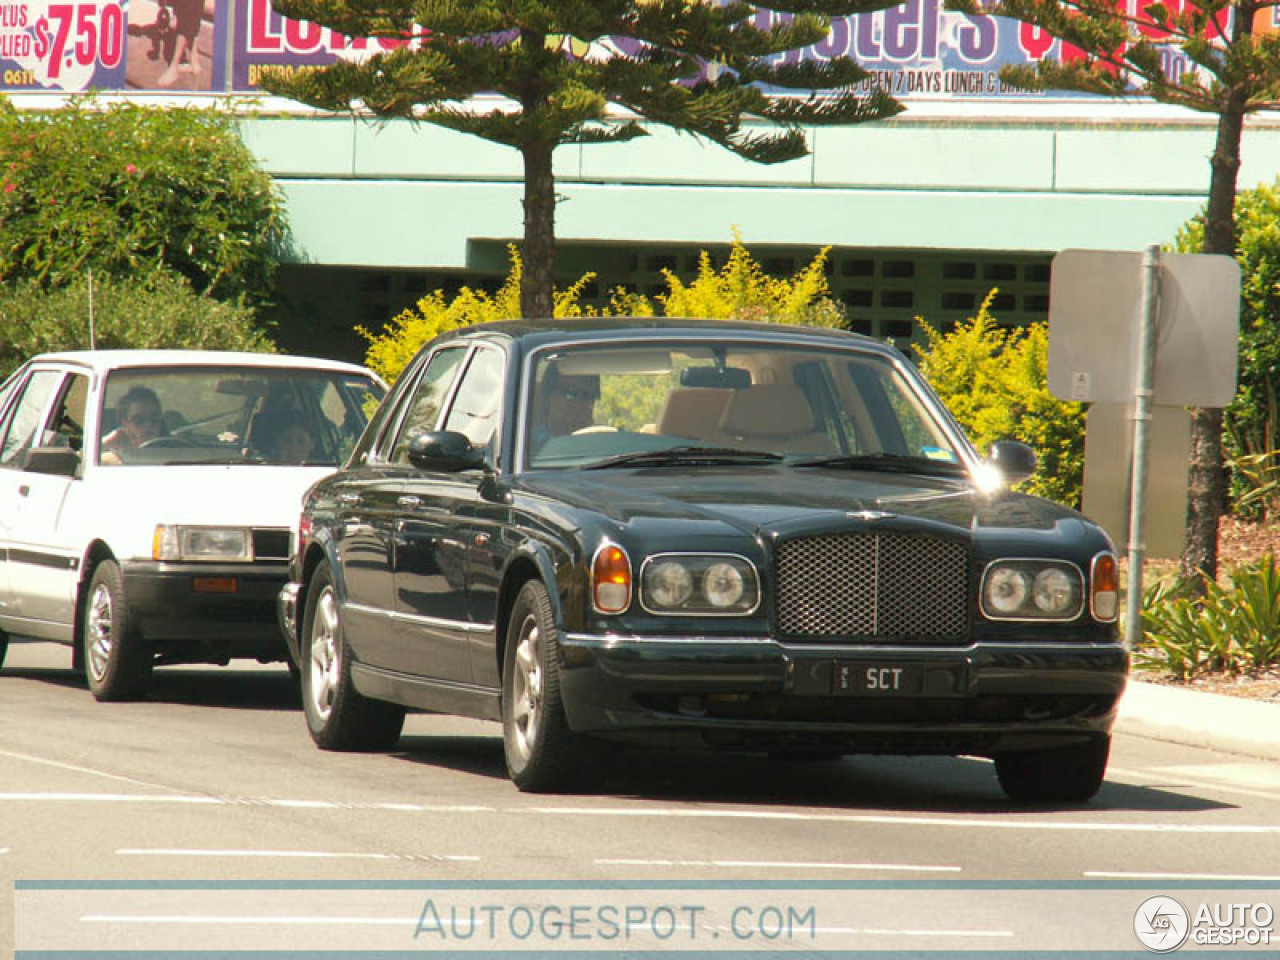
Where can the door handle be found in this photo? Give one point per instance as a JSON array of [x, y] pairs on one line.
[[24, 491]]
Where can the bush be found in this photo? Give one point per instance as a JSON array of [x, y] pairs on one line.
[[1233, 629], [159, 311], [995, 381], [740, 290], [397, 342], [129, 190], [1252, 421]]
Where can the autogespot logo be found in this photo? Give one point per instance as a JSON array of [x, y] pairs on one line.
[[1161, 924]]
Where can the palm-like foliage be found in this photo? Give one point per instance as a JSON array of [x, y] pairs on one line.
[[590, 71]]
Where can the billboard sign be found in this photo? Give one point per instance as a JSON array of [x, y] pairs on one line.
[[917, 50]]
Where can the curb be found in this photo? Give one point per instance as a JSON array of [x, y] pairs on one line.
[[1199, 719]]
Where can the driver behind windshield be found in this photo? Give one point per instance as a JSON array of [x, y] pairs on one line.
[[141, 419], [568, 403]]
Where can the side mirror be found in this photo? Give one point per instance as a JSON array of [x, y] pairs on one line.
[[55, 461], [1015, 460], [445, 451]]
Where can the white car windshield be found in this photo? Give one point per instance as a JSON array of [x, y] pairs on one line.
[[191, 415], [604, 405]]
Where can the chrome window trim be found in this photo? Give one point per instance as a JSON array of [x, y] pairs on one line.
[[943, 418]]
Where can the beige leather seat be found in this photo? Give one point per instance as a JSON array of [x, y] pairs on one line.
[[694, 412], [775, 417]]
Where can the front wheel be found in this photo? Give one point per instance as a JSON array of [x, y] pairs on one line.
[[542, 754], [1070, 774], [338, 716], [117, 658]]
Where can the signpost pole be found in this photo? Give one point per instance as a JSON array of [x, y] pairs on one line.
[[1143, 397]]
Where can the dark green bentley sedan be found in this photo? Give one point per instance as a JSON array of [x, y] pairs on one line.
[[701, 534]]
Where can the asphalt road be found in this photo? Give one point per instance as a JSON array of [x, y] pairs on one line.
[[214, 779]]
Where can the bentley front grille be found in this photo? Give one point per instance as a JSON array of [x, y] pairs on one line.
[[873, 586]]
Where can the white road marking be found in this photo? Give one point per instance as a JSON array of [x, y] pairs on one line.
[[302, 854], [871, 932], [248, 920], [775, 864], [75, 768], [964, 823], [967, 823], [1231, 783], [1131, 875], [236, 921], [115, 798]]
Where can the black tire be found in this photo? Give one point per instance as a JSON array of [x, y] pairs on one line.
[[543, 755], [118, 660], [4, 646], [338, 717], [1058, 775]]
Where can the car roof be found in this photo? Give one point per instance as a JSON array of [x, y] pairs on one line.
[[104, 360], [535, 333]]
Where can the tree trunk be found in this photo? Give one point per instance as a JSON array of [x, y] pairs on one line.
[[537, 285], [1206, 475]]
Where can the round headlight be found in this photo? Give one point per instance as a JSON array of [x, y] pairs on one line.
[[1007, 590], [1055, 592], [668, 584], [723, 585]]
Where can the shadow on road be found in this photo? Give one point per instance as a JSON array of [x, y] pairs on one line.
[[265, 688], [937, 785]]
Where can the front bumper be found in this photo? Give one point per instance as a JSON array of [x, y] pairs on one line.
[[207, 613], [757, 693], [287, 617]]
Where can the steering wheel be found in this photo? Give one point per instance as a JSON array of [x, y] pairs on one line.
[[595, 428], [164, 443]]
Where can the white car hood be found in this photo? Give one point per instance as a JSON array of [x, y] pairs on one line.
[[122, 505]]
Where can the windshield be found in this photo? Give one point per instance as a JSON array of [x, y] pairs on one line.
[[688, 403], [185, 415]]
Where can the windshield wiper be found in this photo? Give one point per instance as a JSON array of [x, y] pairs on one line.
[[685, 455], [890, 462]]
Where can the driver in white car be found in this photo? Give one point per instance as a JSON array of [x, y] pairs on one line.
[[141, 419]]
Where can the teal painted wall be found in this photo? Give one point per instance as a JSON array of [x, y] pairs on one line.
[[925, 214], [398, 196]]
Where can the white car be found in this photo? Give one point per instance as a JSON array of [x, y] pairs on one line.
[[147, 499]]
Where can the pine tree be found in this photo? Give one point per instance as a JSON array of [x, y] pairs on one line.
[[590, 71], [1119, 48]]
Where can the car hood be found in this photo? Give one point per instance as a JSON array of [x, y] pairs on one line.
[[122, 505], [780, 499]]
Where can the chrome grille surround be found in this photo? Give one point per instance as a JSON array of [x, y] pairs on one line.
[[878, 586]]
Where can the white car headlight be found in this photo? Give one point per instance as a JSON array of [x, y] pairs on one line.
[[1032, 590], [690, 584], [224, 544]]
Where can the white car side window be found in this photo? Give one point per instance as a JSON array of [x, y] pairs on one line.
[[28, 415]]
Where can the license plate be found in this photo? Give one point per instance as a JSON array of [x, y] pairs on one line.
[[877, 679]]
